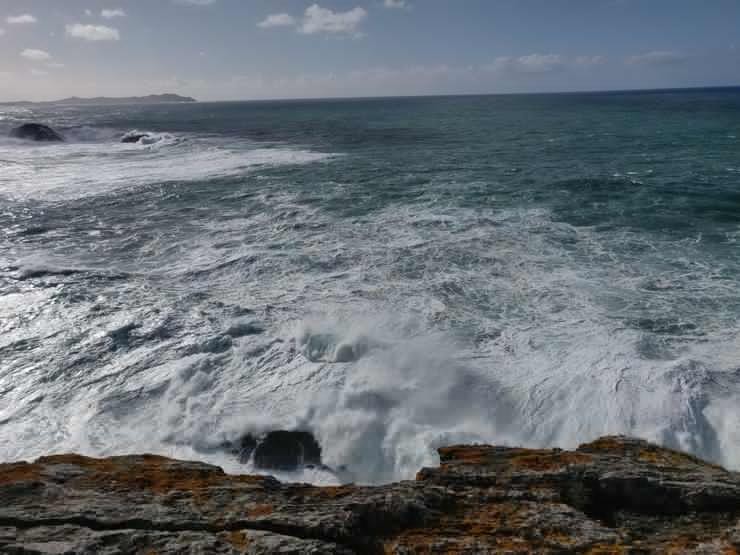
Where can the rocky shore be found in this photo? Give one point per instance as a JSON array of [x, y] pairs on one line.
[[614, 495]]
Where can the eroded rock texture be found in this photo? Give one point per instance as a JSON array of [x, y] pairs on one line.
[[615, 495]]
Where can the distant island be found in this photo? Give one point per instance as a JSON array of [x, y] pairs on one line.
[[103, 100]]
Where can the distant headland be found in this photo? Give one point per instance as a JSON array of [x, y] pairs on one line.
[[103, 100]]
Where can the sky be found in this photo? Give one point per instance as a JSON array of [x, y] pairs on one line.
[[262, 49]]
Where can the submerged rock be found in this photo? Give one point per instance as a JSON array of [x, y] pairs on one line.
[[614, 495], [36, 132]]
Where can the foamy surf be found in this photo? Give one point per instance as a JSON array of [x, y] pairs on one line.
[[234, 277], [90, 167]]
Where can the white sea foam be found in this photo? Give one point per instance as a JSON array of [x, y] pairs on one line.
[[90, 167], [385, 335]]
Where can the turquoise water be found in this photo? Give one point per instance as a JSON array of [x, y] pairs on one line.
[[390, 274]]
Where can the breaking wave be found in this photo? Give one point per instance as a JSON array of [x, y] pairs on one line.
[[95, 161], [458, 279]]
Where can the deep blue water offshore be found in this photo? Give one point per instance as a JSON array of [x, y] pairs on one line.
[[390, 274]]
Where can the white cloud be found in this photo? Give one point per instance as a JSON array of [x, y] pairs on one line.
[[110, 14], [20, 19], [657, 58], [92, 32], [532, 63], [395, 3], [35, 55], [542, 63], [322, 20], [195, 2], [277, 20]]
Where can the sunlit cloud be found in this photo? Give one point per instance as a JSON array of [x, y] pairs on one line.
[[195, 2], [23, 19], [657, 57], [35, 55], [531, 63], [92, 32], [277, 20], [323, 20], [110, 14]]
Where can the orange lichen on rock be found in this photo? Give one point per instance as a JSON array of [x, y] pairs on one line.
[[19, 472], [260, 510], [475, 454], [612, 496], [668, 457], [151, 473], [239, 539], [644, 452], [608, 444], [548, 460], [607, 550]]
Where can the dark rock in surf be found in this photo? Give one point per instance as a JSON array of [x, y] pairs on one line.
[[36, 132], [244, 449], [134, 137], [242, 329], [284, 450]]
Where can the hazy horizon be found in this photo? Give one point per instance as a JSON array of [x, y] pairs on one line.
[[216, 50], [717, 88]]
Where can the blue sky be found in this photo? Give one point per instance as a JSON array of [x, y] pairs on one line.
[[255, 49]]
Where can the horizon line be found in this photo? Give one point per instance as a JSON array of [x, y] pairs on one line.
[[392, 96]]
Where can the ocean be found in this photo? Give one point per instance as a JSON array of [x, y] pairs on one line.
[[392, 275]]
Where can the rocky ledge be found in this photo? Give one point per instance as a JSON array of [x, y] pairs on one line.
[[615, 495]]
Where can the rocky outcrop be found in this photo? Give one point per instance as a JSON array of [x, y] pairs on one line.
[[36, 132], [615, 495]]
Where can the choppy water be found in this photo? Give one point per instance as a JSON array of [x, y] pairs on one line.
[[392, 275]]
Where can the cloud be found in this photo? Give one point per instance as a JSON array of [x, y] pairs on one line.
[[542, 63], [657, 58], [322, 20], [92, 32], [35, 55], [88, 13], [110, 14], [55, 65], [39, 72], [21, 19], [195, 2], [532, 63], [395, 4], [2, 32], [277, 20]]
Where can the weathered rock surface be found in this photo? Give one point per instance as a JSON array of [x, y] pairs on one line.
[[615, 495], [36, 132]]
